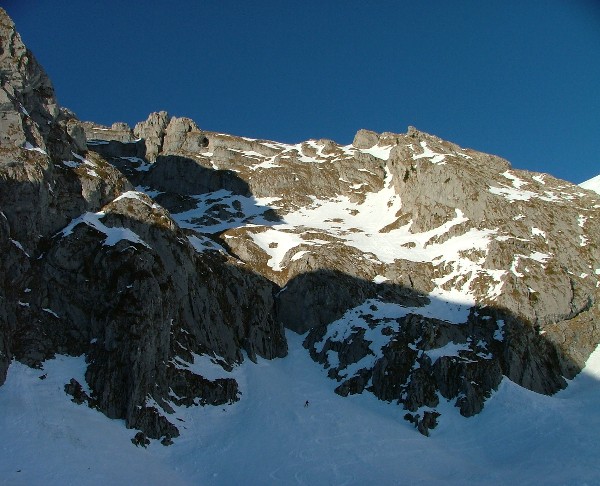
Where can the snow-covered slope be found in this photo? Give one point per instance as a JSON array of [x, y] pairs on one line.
[[270, 437], [592, 184]]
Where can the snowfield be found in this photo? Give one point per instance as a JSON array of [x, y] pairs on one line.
[[592, 184], [270, 437]]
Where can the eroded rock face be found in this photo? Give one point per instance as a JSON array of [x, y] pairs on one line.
[[421, 360], [183, 135], [152, 131], [28, 108], [43, 179], [125, 287], [498, 264], [115, 302], [365, 139]]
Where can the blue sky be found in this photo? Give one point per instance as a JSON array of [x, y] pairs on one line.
[[520, 79]]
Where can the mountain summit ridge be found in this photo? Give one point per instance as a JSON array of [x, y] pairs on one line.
[[418, 271]]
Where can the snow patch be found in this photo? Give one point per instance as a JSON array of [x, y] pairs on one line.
[[380, 151], [50, 311], [28, 146], [450, 349], [516, 182], [433, 157], [538, 232], [499, 332], [20, 247], [592, 184], [113, 235]]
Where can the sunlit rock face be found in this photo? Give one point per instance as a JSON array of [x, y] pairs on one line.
[[418, 270]]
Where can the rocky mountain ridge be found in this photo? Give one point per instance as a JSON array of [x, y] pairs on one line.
[[420, 271]]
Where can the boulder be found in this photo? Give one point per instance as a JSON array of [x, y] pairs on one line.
[[365, 139]]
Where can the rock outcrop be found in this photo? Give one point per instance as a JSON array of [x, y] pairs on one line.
[[136, 304]]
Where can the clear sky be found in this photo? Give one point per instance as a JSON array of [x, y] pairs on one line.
[[516, 78]]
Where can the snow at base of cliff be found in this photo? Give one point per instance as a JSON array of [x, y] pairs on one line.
[[270, 437]]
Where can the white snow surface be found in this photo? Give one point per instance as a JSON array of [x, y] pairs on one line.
[[113, 234], [379, 151], [450, 349], [250, 212], [427, 153], [270, 438], [30, 147], [592, 184]]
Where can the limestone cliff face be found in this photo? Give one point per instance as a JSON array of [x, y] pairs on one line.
[[126, 287], [34, 193], [420, 271], [91, 266]]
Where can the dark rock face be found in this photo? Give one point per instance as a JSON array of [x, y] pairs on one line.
[[317, 298], [75, 389], [140, 439], [86, 271], [134, 305], [110, 149], [188, 387], [409, 369], [182, 175], [424, 360]]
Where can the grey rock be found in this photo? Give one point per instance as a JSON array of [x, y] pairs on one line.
[[183, 175], [189, 305], [428, 422], [316, 298], [154, 424], [183, 135], [405, 373], [74, 389], [113, 150], [118, 132], [152, 131], [191, 389], [77, 134], [140, 439], [365, 139]]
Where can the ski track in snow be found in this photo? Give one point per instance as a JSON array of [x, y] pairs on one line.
[[270, 438]]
